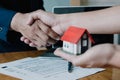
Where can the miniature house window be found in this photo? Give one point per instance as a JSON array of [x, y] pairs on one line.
[[64, 45], [85, 40], [67, 46], [84, 43]]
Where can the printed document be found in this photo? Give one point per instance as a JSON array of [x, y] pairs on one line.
[[44, 68]]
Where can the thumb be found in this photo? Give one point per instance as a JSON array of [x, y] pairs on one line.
[[68, 57], [50, 19], [58, 30], [46, 17], [76, 60]]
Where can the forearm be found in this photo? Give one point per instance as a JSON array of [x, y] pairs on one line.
[[115, 59], [16, 22], [104, 21]]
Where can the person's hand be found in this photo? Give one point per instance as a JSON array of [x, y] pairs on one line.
[[33, 30], [97, 56], [57, 23], [49, 40]]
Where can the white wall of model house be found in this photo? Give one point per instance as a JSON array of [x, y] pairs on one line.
[[70, 47], [73, 48]]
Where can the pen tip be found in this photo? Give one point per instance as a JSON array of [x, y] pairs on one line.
[[70, 71]]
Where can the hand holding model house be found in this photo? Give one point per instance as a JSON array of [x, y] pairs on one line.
[[76, 41]]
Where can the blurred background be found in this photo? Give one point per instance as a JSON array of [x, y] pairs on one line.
[[49, 4]]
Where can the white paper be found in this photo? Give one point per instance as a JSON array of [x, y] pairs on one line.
[[44, 68]]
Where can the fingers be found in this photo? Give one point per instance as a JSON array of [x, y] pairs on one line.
[[45, 17], [46, 34], [51, 20], [76, 60], [68, 57], [47, 30], [27, 41], [44, 37], [32, 45], [38, 37], [88, 59], [39, 30], [22, 38]]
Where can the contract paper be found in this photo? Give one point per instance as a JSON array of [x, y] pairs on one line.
[[44, 68]]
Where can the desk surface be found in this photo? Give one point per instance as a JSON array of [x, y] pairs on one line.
[[108, 74]]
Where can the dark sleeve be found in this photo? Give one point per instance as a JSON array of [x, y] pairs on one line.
[[5, 21]]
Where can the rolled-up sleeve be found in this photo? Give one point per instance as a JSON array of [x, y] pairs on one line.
[[5, 21]]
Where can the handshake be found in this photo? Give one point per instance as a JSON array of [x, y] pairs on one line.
[[39, 28]]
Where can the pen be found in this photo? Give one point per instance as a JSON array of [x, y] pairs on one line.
[[70, 67]]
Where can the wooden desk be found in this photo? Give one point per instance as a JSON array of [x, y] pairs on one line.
[[108, 74]]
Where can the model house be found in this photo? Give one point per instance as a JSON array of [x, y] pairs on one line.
[[76, 40]]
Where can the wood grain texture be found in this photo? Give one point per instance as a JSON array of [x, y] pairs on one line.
[[108, 74]]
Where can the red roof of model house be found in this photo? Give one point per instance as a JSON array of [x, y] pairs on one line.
[[74, 34]]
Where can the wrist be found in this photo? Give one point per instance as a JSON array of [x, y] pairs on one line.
[[14, 22], [65, 21]]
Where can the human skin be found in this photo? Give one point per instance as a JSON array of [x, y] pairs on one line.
[[97, 56], [104, 21], [35, 31]]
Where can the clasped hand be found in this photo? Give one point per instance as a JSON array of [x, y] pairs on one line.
[[36, 28]]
